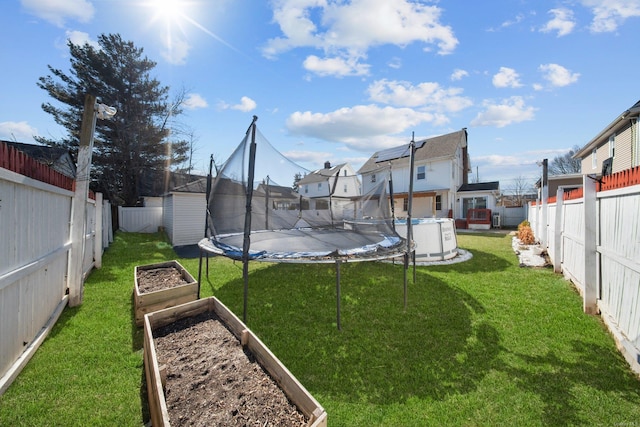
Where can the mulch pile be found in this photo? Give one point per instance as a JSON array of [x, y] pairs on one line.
[[155, 279]]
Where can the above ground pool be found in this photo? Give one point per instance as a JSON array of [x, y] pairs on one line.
[[435, 238]]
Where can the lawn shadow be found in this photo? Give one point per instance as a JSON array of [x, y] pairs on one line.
[[553, 379], [384, 353]]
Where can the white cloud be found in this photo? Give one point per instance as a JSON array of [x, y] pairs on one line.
[[363, 127], [563, 22], [195, 101], [458, 74], [557, 75], [17, 131], [311, 157], [395, 63], [335, 66], [59, 11], [428, 95], [608, 15], [176, 51], [246, 104], [350, 29], [508, 111], [506, 77], [508, 23], [80, 38]]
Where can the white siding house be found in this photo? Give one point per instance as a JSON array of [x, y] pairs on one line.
[[441, 166], [618, 143], [340, 182]]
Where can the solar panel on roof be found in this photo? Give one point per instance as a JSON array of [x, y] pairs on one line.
[[397, 152]]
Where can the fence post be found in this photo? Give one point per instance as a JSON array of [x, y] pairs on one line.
[[97, 240], [557, 243], [590, 252], [545, 205]]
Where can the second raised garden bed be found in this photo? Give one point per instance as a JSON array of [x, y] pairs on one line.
[[161, 285]]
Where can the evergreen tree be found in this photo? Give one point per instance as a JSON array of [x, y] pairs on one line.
[[134, 147]]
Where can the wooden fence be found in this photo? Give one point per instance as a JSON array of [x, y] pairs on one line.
[[592, 236], [35, 257]]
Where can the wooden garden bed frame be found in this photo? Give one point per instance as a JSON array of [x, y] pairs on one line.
[[295, 391]]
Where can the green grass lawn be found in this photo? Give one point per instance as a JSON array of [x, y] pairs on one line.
[[481, 343]]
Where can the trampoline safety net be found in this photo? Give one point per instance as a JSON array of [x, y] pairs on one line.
[[282, 212]]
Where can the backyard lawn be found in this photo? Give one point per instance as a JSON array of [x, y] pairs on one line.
[[481, 343]]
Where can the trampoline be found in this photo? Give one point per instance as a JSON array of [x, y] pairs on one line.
[[263, 207]]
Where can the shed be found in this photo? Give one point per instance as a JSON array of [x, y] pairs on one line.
[[183, 213]]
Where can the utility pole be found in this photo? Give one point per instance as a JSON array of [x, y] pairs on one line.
[[79, 203]]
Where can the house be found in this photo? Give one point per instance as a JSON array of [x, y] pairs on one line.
[[339, 182], [59, 159], [615, 148], [567, 182], [440, 181], [279, 197]]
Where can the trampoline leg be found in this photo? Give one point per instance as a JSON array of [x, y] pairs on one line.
[[406, 267], [413, 255], [245, 274], [199, 273], [338, 294]]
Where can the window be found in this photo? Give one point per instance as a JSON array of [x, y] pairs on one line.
[[422, 172], [319, 186], [345, 172], [306, 188], [439, 202], [612, 146], [373, 177], [405, 204], [345, 188], [594, 158]]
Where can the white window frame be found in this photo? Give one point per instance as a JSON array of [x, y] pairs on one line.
[[612, 146], [594, 158], [421, 173], [636, 141], [373, 177]]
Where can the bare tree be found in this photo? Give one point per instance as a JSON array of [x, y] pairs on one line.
[[566, 164], [518, 189]]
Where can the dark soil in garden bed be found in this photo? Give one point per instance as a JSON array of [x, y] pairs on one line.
[[212, 381], [156, 279]]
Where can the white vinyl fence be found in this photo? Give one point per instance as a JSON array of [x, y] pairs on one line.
[[139, 219], [35, 258], [594, 241]]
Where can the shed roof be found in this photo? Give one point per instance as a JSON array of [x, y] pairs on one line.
[[480, 186]]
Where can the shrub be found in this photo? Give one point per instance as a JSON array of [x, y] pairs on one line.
[[524, 223], [525, 235]]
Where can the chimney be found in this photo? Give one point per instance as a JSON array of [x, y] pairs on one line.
[[327, 164]]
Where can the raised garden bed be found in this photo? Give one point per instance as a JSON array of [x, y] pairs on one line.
[[203, 366], [161, 285]]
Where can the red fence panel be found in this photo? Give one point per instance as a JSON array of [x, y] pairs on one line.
[[18, 162]]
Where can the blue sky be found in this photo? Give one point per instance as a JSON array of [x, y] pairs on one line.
[[338, 80]]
